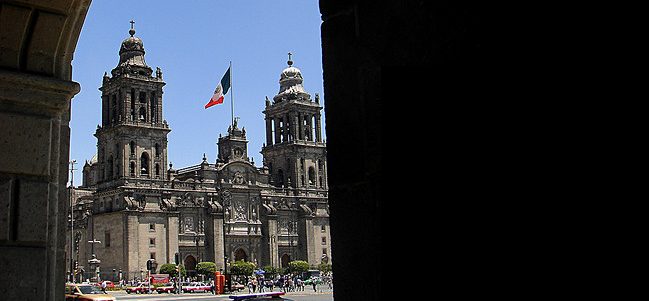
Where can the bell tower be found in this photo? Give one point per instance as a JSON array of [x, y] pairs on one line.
[[294, 152], [132, 138]]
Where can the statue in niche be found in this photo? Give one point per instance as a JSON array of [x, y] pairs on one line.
[[238, 177], [189, 224], [253, 214]]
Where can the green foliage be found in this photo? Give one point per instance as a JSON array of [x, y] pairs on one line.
[[170, 269], [298, 266], [242, 268], [324, 267], [206, 268], [270, 270]]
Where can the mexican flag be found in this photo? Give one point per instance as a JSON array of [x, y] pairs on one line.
[[221, 89]]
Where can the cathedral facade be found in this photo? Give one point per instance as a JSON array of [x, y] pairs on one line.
[[136, 209]]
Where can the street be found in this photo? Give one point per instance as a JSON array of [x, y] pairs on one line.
[[307, 295]]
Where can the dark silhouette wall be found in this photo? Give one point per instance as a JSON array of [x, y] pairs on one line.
[[368, 48]]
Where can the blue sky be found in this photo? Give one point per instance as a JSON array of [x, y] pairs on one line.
[[193, 43]]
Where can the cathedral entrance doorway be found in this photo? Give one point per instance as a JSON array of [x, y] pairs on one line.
[[285, 260], [240, 254], [190, 263]]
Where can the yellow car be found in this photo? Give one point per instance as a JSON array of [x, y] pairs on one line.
[[75, 292]]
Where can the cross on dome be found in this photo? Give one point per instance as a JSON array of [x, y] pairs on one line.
[[131, 31]]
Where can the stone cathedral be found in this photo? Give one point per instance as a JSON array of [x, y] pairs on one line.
[[136, 207]]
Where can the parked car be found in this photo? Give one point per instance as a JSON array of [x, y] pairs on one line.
[[167, 288], [108, 284], [75, 292], [236, 286], [196, 287], [143, 288]]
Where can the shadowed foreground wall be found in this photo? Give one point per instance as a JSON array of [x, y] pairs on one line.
[[37, 42]]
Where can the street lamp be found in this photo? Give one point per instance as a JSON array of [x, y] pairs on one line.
[[72, 169]]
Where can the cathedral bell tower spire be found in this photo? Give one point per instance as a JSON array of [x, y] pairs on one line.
[[132, 138], [294, 151]]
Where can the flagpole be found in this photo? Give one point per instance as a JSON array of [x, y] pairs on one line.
[[231, 97]]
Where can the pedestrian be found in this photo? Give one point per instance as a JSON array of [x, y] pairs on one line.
[[103, 286], [300, 284], [261, 285], [212, 286], [313, 284]]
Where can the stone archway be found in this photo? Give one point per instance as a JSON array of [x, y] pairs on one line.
[[240, 254], [190, 263], [285, 260]]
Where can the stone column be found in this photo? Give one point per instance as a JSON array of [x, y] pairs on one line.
[[172, 235], [295, 128], [309, 127], [318, 128], [131, 251], [217, 240], [278, 130], [269, 131], [272, 241], [301, 126], [34, 155]]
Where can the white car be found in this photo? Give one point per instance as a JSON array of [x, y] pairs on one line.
[[196, 287]]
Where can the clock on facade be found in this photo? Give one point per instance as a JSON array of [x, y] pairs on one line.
[[238, 152]]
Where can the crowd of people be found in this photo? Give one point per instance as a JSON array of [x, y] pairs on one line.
[[286, 283]]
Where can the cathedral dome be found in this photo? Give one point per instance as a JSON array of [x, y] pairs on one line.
[[290, 84], [131, 54], [132, 44], [291, 73]]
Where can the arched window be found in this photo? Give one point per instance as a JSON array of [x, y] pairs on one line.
[[113, 107], [157, 150], [132, 146], [142, 115], [144, 164], [280, 178], [132, 105], [110, 166], [153, 102], [311, 176]]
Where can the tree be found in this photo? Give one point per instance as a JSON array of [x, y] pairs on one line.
[[170, 269], [270, 270], [298, 267], [206, 268], [241, 267], [324, 267]]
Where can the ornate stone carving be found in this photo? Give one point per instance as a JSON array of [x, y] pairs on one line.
[[239, 209], [238, 178]]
